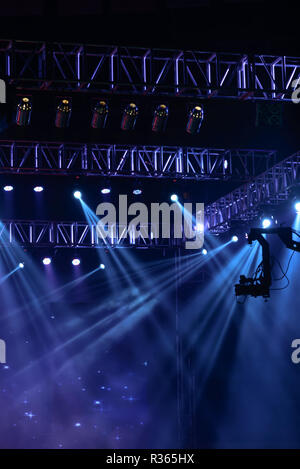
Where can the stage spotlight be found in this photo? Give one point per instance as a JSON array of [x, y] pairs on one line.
[[77, 195], [234, 239], [105, 190], [174, 198], [76, 261], [297, 207], [204, 252], [160, 118], [266, 222], [38, 189], [102, 266], [100, 115], [129, 117], [21, 265], [195, 120], [137, 191], [23, 112], [8, 188], [63, 114], [46, 261]]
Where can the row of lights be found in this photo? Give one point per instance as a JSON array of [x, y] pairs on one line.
[[77, 194], [48, 260], [11, 188], [100, 115]]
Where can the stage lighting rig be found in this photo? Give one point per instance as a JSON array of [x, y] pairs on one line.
[[260, 283], [23, 115]]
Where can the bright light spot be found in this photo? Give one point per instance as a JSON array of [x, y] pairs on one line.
[[21, 265], [77, 195], [46, 261], [204, 252], [234, 239], [102, 266], [76, 261], [137, 191], [105, 190], [297, 207], [8, 188], [77, 424], [200, 227], [174, 198], [38, 189], [266, 223], [225, 164]]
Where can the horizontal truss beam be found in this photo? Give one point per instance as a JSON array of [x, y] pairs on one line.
[[110, 69], [50, 234], [25, 157], [243, 204]]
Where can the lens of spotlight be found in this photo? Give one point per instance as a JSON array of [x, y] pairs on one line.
[[46, 261], [105, 190], [160, 118], [204, 252], [129, 117], [63, 113], [195, 120], [174, 198], [38, 189], [234, 239], [102, 266], [8, 188], [77, 195], [266, 223], [137, 191], [23, 112], [100, 115], [21, 265], [297, 207], [76, 261]]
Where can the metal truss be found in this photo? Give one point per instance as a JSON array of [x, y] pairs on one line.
[[111, 69], [50, 234], [243, 204], [25, 157]]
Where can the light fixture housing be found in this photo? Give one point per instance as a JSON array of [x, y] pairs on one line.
[[24, 109], [160, 118], [129, 117], [63, 113], [195, 120], [100, 113]]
